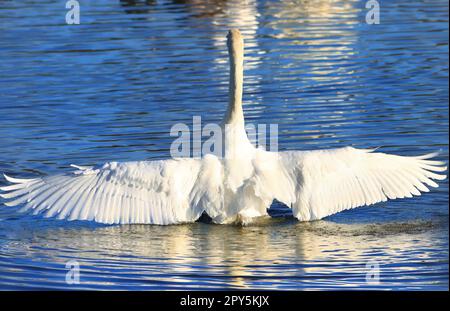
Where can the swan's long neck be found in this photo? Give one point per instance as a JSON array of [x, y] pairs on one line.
[[235, 44], [236, 142]]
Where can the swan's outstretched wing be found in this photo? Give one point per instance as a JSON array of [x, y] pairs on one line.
[[321, 183], [151, 192]]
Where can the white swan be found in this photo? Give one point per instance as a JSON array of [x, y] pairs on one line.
[[237, 187]]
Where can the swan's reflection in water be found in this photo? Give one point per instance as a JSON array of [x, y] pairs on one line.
[[274, 253]]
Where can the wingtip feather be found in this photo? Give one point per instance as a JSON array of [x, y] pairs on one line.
[[16, 180], [10, 204], [428, 155]]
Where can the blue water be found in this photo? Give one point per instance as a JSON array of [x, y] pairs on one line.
[[111, 88]]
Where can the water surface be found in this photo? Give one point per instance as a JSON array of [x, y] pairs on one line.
[[111, 88]]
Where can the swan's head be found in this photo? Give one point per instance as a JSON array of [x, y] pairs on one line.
[[235, 42]]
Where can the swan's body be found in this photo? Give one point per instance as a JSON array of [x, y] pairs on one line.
[[239, 186]]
